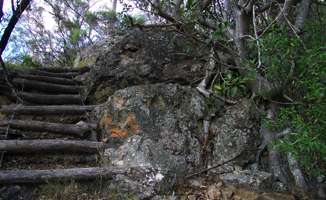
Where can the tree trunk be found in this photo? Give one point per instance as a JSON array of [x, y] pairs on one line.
[[114, 6], [39, 176], [63, 81], [302, 14], [54, 146], [38, 126], [45, 110], [46, 87], [12, 23], [297, 173]]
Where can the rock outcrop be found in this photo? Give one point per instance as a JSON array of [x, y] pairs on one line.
[[146, 57]]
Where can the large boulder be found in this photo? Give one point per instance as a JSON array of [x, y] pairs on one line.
[[161, 127], [156, 126], [146, 57]]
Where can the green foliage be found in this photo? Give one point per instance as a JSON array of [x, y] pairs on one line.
[[27, 63], [128, 19], [303, 73], [231, 85], [75, 35]]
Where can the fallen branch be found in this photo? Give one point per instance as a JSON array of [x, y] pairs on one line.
[[38, 126], [55, 145]]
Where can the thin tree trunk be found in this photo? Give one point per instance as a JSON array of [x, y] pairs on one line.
[[302, 14], [12, 23], [54, 146], [1, 10], [114, 6]]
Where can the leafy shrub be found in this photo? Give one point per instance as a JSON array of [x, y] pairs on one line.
[[303, 73]]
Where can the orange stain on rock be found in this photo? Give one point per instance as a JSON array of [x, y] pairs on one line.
[[132, 123], [122, 128], [118, 133]]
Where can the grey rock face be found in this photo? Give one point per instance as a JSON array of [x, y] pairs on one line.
[[155, 125], [235, 133], [160, 127], [258, 180], [145, 58]]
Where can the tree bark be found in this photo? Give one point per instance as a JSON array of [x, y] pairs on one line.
[[1, 10], [39, 176], [45, 110], [302, 14], [114, 6], [297, 173], [12, 23], [46, 87], [63, 81], [54, 146], [38, 126]]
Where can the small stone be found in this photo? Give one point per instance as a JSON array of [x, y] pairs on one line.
[[213, 192]]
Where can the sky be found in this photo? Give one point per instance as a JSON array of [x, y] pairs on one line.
[[50, 23], [48, 19]]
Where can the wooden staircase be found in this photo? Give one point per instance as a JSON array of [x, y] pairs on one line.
[[51, 122]]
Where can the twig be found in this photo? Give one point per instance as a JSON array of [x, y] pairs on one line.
[[256, 36], [213, 167]]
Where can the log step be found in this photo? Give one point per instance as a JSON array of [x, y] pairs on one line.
[[48, 99], [43, 99], [58, 128], [26, 84], [46, 110], [6, 133], [41, 176], [64, 69], [52, 146], [53, 74], [63, 81]]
